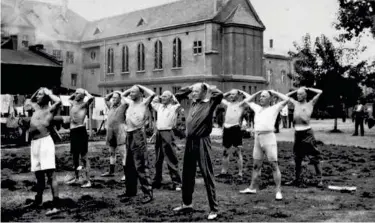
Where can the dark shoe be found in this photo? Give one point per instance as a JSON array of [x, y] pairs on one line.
[[222, 175], [125, 195], [355, 134], [33, 203], [147, 199], [156, 185], [126, 198], [293, 183]]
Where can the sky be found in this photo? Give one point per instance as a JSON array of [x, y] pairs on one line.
[[286, 21]]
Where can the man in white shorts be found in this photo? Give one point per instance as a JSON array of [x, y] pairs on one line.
[[42, 145], [232, 134], [265, 138]]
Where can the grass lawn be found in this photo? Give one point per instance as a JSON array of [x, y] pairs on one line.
[[342, 166]]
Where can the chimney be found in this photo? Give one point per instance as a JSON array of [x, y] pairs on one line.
[[219, 4], [271, 43], [64, 8]]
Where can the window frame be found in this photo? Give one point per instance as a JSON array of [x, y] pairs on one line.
[[176, 53]]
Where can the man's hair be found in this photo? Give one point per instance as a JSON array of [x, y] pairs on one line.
[[204, 87]]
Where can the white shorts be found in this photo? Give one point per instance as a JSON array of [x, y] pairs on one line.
[[42, 154], [265, 143]]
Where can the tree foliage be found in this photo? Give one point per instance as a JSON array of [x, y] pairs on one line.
[[356, 16], [320, 65]]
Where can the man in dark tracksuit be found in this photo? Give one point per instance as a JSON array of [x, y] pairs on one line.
[[205, 99]]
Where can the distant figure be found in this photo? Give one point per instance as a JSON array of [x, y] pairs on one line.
[[205, 99], [43, 147], [284, 116], [359, 115], [78, 134], [304, 140]]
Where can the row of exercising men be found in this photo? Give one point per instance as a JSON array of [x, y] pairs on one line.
[[126, 120]]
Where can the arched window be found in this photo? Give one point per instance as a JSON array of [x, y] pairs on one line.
[[158, 55], [125, 59], [176, 52], [110, 64], [269, 75], [141, 57]]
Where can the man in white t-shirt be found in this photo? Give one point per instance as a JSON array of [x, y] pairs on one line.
[[232, 134], [265, 138], [284, 116], [166, 107]]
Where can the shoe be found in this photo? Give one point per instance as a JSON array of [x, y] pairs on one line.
[[33, 203], [293, 183], [107, 174], [320, 184], [126, 197], [156, 185], [72, 181], [147, 199], [183, 207], [79, 168], [123, 178], [248, 191], [355, 135], [212, 216], [178, 188], [279, 196], [52, 212], [86, 185], [222, 175]]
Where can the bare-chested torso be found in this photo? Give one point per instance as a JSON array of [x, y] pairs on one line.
[[77, 114], [116, 115], [302, 115], [136, 115], [40, 122]]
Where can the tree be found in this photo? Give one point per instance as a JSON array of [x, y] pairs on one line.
[[356, 16], [321, 66]]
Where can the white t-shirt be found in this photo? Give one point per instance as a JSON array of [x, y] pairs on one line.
[[284, 111], [265, 118], [167, 115], [233, 113]]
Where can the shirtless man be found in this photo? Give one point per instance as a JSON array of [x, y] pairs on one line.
[[137, 165], [304, 141], [167, 108], [116, 130], [265, 138], [78, 134], [232, 134], [42, 145]]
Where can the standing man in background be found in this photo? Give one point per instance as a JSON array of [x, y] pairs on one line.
[[359, 113]]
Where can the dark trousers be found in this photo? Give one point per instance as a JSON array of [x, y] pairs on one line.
[[137, 164], [285, 120], [277, 123], [359, 123], [165, 146], [290, 119], [196, 150]]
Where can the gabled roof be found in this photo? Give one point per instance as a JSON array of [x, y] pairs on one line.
[[47, 19], [241, 16], [175, 13], [25, 58]]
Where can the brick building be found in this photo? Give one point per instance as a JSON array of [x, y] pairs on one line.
[[164, 47]]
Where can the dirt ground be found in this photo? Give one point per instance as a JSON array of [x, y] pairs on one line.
[[342, 166]]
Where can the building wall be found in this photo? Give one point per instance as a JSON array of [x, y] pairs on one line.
[[274, 69]]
